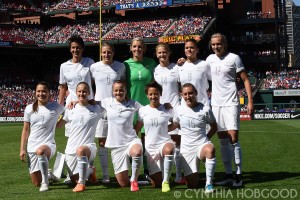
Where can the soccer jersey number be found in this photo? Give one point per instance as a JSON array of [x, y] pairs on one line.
[[108, 79], [189, 76], [154, 122], [191, 123], [218, 69], [82, 120]]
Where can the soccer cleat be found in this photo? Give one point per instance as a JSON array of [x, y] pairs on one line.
[[93, 176], [44, 187], [51, 176], [209, 189], [79, 187], [134, 186], [180, 181], [146, 175], [237, 183], [165, 186], [105, 179], [68, 180], [225, 182]]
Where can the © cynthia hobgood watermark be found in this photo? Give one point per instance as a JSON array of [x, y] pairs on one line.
[[248, 193]]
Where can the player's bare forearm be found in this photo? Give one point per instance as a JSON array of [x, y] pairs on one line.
[[212, 131]]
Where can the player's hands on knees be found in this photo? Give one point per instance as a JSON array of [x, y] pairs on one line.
[[22, 155]]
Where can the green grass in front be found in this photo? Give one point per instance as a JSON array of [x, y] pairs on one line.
[[271, 168]]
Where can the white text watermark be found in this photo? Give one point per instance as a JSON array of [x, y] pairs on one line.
[[238, 194]]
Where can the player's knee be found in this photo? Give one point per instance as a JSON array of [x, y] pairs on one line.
[[168, 150], [80, 151], [136, 152], [39, 152]]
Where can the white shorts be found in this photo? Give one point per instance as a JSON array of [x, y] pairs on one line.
[[101, 129], [155, 161], [227, 117], [191, 159], [71, 159], [33, 159], [120, 156]]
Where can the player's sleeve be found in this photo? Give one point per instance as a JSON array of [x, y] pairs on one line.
[[27, 113], [141, 114], [103, 103], [175, 117], [62, 79], [66, 116], [210, 118], [60, 109], [90, 62], [208, 71], [137, 105], [239, 66]]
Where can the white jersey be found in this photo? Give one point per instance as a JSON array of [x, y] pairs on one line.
[[193, 125], [42, 124], [168, 78], [120, 121], [83, 121], [74, 73], [105, 75], [223, 72], [198, 74], [156, 125]]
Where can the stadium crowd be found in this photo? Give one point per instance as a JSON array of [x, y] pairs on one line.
[[282, 80], [188, 24], [14, 99], [113, 29]]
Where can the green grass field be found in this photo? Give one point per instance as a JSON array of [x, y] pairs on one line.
[[271, 168]]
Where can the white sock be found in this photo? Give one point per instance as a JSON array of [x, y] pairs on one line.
[[82, 168], [168, 163], [226, 155], [237, 153], [135, 166], [43, 164], [210, 166], [178, 163], [90, 169], [103, 156]]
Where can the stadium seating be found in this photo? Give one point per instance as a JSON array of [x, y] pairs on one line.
[[188, 24], [282, 80], [112, 29]]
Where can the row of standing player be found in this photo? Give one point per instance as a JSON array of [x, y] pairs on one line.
[[139, 71]]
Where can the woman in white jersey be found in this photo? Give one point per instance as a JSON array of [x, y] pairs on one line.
[[122, 138], [195, 71], [192, 118], [81, 148], [104, 74], [38, 132], [225, 67], [75, 70], [159, 147], [166, 74]]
